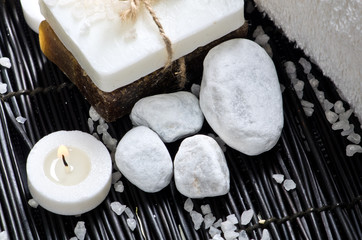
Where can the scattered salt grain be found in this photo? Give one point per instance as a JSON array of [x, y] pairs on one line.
[[349, 131], [338, 107], [268, 50], [294, 80], [118, 186], [214, 231], [310, 76], [229, 235], [80, 230], [188, 205], [95, 135], [217, 224], [197, 219], [90, 125], [327, 105], [246, 216], [306, 104], [258, 31], [131, 223], [101, 120], [93, 114], [72, 238], [102, 128], [354, 138], [129, 212], [282, 88], [227, 226], [320, 95], [4, 235], [243, 235], [314, 83], [232, 218], [308, 111], [110, 142], [345, 115], [209, 219], [265, 235], [343, 124], [351, 149], [306, 65], [3, 88], [217, 237], [20, 119], [116, 176], [195, 89], [118, 208], [299, 94], [299, 86], [332, 117], [290, 67], [262, 39], [289, 184], [5, 62], [279, 178], [32, 203], [205, 209]]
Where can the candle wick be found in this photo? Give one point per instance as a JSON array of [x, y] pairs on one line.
[[65, 162]]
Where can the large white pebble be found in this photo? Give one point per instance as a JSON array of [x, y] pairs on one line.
[[200, 168], [240, 96], [144, 160], [172, 116]]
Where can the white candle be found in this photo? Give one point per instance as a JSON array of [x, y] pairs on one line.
[[115, 53], [69, 172], [32, 14]]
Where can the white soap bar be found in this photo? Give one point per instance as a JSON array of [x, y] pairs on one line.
[[32, 14], [115, 53]]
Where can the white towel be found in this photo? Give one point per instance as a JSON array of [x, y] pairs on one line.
[[330, 32]]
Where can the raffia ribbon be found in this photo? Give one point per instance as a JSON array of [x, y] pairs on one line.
[[131, 14]]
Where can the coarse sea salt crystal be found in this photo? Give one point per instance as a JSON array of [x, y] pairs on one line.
[[217, 237], [205, 209], [320, 95], [118, 208], [343, 124], [345, 115], [214, 231], [129, 212], [188, 205], [246, 216], [90, 125], [306, 104], [349, 131], [290, 67], [209, 219], [289, 184], [102, 128], [243, 235], [3, 88], [131, 223], [118, 186], [354, 138], [327, 105], [232, 218], [227, 226], [32, 203], [308, 111], [195, 89], [332, 117], [262, 39], [217, 224], [268, 49], [20, 119], [279, 178], [351, 149], [265, 235], [258, 31], [5, 62], [229, 235], [93, 114], [299, 86], [116, 176], [197, 219], [4, 235], [306, 65], [80, 230], [299, 94], [314, 83], [338, 107], [72, 238]]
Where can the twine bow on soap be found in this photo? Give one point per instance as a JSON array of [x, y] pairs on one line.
[[131, 14]]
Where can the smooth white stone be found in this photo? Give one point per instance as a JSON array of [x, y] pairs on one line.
[[114, 52], [205, 209], [80, 230], [118, 208], [197, 219], [144, 160], [172, 116], [240, 96], [3, 88], [279, 178], [5, 62], [289, 184], [246, 216], [200, 168], [32, 14], [354, 138], [351, 149], [188, 205]]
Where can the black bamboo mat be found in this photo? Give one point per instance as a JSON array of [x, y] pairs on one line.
[[326, 203]]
